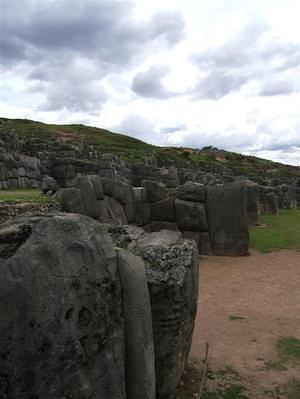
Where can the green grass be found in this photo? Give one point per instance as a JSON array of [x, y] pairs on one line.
[[292, 389], [233, 391], [24, 195], [281, 232], [289, 348]]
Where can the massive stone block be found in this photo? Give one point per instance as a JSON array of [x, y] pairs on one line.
[[192, 191], [97, 184], [227, 219], [111, 211], [156, 191], [142, 213], [61, 325], [86, 187], [253, 207], [172, 274], [70, 200], [190, 216], [163, 210], [268, 203], [140, 368], [49, 184], [201, 239]]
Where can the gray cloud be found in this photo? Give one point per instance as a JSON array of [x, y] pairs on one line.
[[248, 56], [139, 127], [172, 129], [51, 38], [149, 83], [277, 88], [218, 84]]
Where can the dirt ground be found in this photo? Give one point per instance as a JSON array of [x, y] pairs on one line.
[[245, 305]]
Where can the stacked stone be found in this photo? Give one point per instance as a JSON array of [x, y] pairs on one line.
[[268, 201], [286, 196], [217, 222], [253, 206], [228, 219], [298, 193], [191, 214], [19, 171]]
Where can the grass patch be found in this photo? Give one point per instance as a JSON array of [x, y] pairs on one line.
[[292, 389], [281, 232], [233, 317], [233, 391], [24, 195], [289, 348]]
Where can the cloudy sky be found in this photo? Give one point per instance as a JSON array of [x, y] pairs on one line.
[[171, 72]]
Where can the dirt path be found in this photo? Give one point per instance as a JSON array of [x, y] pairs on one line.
[[245, 305]]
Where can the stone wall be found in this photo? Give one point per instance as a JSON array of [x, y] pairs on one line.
[[19, 171], [209, 215]]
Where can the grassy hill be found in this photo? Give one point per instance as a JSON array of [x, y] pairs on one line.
[[135, 150]]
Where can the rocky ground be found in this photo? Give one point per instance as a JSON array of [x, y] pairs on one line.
[[249, 312]]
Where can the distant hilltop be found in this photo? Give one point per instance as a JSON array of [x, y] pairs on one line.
[[96, 140]]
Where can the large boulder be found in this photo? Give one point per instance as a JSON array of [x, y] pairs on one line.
[[70, 200], [253, 207], [49, 184], [190, 216], [172, 275], [268, 203], [163, 210], [140, 368], [228, 219], [86, 186], [156, 191], [61, 325], [191, 191], [111, 211]]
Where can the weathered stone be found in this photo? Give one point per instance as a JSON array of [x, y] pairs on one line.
[[227, 219], [163, 210], [192, 191], [156, 191], [96, 181], [123, 193], [70, 200], [253, 208], [86, 187], [172, 275], [130, 212], [268, 204], [204, 244], [140, 194], [64, 171], [158, 226], [108, 186], [60, 283], [201, 239], [190, 216], [142, 213], [110, 211], [140, 368], [49, 184]]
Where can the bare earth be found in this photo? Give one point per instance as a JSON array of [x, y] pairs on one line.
[[264, 290]]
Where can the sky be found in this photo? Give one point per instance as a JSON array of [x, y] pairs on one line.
[[188, 73]]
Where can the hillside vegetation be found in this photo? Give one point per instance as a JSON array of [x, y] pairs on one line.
[[135, 150]]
